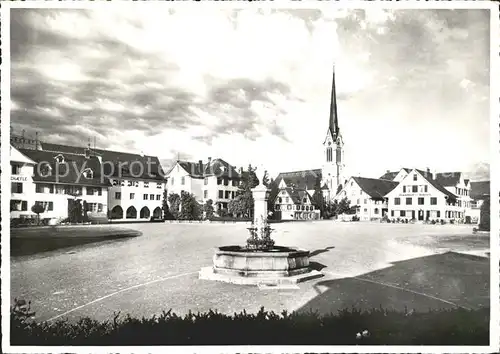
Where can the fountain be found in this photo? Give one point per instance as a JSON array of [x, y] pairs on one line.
[[260, 261]]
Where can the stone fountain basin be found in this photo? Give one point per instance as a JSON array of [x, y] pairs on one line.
[[278, 261]]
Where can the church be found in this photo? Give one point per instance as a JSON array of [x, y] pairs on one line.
[[330, 177]]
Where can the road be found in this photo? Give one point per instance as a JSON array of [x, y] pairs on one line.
[[157, 271]]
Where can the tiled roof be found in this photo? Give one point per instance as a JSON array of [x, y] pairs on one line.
[[375, 188], [217, 167], [133, 165], [448, 179], [479, 190], [429, 178], [300, 179], [68, 172]]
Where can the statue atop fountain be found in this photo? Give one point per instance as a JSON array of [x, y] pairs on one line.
[[260, 260]]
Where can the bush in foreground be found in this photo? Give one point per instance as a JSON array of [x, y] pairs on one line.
[[347, 327]]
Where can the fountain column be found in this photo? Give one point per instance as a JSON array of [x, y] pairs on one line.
[[260, 195]]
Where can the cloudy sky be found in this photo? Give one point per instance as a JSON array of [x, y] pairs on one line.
[[254, 85]]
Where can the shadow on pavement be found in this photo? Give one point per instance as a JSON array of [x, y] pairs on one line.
[[438, 281], [316, 252]]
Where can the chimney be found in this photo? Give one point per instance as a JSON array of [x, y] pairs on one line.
[[87, 151], [209, 160], [387, 171], [200, 164]]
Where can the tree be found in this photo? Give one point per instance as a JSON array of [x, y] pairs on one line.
[[190, 209], [484, 219], [317, 199], [237, 207], [265, 180], [166, 212], [273, 193], [174, 200], [339, 188], [208, 208], [343, 206], [248, 181], [38, 209]]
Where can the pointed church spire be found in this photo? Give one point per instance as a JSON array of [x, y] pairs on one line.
[[334, 122]]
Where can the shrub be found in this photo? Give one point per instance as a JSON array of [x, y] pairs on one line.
[[484, 219], [443, 222], [389, 327], [433, 222], [406, 221], [398, 220], [355, 218], [468, 220], [452, 221]]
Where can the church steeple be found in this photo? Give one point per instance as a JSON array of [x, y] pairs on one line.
[[334, 122]]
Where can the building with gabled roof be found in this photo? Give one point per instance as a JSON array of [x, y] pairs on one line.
[[293, 203], [367, 196], [119, 185], [420, 197], [215, 179]]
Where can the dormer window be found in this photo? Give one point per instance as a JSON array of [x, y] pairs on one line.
[[88, 173], [59, 158], [45, 170]]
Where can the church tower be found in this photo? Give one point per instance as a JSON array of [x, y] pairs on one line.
[[333, 146]]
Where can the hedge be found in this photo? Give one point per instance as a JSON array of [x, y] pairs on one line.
[[347, 327]]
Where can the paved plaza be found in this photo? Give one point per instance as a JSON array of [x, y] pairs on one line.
[[365, 265]]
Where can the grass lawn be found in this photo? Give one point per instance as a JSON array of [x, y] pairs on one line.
[[365, 265]]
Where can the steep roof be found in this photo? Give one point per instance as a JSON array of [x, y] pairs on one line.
[[391, 175], [300, 179], [70, 172], [479, 190], [429, 178], [132, 165], [375, 188], [17, 156], [297, 195], [448, 179], [217, 167]]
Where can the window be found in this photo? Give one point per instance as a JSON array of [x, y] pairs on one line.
[[151, 197], [38, 188], [414, 176], [99, 207], [365, 210], [132, 195], [414, 189], [420, 201], [159, 185], [233, 194], [365, 201], [425, 189], [226, 182], [99, 190], [130, 183], [304, 200], [287, 200], [289, 207], [145, 196], [408, 201], [15, 169], [227, 194], [118, 195], [280, 200], [16, 187], [219, 181], [90, 191], [206, 181], [312, 207], [358, 202], [183, 180], [221, 194], [402, 213], [235, 183], [277, 207], [146, 184], [438, 214], [205, 194], [158, 197], [376, 210], [397, 201], [392, 212], [433, 201]]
